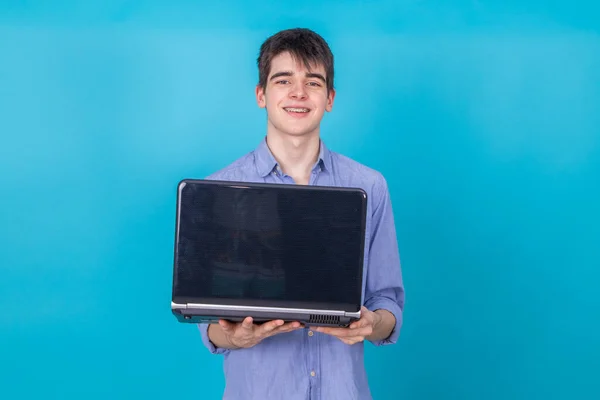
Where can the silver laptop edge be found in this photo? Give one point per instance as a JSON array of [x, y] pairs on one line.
[[253, 309]]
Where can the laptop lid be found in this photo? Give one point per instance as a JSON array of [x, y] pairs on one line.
[[269, 245]]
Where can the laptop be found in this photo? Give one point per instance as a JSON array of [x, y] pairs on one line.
[[268, 251]]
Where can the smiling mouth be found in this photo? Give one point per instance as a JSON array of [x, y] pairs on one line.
[[296, 110]]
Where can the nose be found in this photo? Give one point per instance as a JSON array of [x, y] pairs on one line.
[[298, 91]]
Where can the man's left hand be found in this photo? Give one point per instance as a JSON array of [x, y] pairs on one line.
[[358, 331]]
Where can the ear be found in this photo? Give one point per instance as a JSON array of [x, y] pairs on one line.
[[260, 97], [330, 98]]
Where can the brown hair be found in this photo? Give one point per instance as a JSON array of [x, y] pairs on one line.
[[303, 44]]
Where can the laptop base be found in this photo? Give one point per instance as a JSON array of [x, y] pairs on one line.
[[194, 313]]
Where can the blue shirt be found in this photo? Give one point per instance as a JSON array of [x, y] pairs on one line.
[[302, 365]]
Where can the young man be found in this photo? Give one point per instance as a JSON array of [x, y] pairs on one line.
[[279, 360]]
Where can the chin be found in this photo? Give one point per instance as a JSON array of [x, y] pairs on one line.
[[296, 131], [298, 134]]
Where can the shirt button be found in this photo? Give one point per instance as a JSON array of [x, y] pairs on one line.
[[312, 373], [310, 333]]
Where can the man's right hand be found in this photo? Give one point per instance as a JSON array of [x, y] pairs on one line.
[[246, 334]]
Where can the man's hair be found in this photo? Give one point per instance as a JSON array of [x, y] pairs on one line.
[[303, 45]]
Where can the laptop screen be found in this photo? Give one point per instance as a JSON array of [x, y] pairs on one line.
[[239, 243]]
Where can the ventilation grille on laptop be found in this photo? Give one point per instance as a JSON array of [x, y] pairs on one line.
[[324, 319]]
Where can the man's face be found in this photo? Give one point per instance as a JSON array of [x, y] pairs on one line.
[[295, 98]]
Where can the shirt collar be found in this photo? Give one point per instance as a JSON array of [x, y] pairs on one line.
[[266, 162]]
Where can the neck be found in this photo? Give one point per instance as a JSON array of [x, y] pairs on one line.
[[296, 155]]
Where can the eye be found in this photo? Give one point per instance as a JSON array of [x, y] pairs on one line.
[[314, 84], [283, 81]]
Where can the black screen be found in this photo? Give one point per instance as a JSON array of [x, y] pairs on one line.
[[270, 242]]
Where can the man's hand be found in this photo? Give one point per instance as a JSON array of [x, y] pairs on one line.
[[371, 326], [246, 334]]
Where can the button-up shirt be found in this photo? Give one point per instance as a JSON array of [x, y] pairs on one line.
[[304, 364]]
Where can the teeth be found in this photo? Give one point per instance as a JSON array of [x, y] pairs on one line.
[[303, 110]]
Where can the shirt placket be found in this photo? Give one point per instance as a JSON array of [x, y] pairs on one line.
[[313, 363], [313, 342]]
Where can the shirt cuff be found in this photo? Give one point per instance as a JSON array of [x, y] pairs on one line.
[[209, 345], [382, 303]]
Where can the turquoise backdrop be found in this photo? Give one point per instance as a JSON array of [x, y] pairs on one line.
[[484, 116]]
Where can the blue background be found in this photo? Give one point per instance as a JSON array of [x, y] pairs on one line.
[[484, 117]]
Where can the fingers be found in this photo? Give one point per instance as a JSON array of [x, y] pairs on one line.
[[361, 323], [357, 324], [347, 334], [270, 326], [278, 326], [247, 323], [352, 330], [367, 318], [295, 325], [338, 332], [249, 332], [246, 327], [290, 326], [352, 341], [227, 326], [246, 333]]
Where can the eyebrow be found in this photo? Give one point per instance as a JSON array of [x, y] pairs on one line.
[[289, 73]]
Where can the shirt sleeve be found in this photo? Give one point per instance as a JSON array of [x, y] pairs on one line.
[[206, 341], [384, 286]]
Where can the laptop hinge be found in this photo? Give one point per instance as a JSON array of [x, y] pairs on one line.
[[176, 306]]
